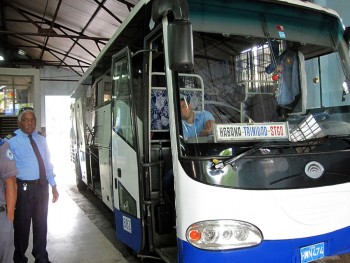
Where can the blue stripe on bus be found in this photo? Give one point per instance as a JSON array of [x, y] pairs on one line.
[[277, 251], [132, 237]]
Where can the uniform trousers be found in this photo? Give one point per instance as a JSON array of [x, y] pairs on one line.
[[31, 208], [6, 238]]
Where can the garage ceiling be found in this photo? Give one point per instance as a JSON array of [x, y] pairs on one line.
[[60, 33]]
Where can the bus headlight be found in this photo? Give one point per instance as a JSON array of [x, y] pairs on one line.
[[223, 234]]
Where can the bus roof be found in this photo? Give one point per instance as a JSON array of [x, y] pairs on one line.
[[307, 5], [142, 3]]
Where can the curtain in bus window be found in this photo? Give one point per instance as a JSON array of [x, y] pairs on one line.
[[159, 110]]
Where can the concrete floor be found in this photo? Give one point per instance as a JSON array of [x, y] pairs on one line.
[[80, 227], [74, 238]]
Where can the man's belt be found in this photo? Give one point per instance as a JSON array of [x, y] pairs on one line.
[[2, 208], [28, 181]]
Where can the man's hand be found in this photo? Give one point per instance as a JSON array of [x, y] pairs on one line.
[[204, 133], [11, 196], [55, 194], [207, 129]]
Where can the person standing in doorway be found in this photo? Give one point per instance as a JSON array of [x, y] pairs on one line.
[[35, 173], [8, 196]]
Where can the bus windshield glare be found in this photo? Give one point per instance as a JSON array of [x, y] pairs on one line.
[[273, 82]]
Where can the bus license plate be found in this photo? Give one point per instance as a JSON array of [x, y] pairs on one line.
[[311, 253]]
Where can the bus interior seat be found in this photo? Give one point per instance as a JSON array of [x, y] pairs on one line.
[[190, 85]]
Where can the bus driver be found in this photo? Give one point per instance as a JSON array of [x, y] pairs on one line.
[[195, 124]]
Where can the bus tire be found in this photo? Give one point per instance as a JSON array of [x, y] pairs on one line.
[[78, 178]]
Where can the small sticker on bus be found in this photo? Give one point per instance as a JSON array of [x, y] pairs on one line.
[[127, 224], [251, 131], [282, 34]]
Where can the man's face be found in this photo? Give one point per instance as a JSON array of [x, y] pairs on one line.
[[186, 110], [28, 122]]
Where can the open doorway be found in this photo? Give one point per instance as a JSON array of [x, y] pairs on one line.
[[58, 124]]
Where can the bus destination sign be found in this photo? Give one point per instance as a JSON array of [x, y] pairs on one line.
[[251, 131]]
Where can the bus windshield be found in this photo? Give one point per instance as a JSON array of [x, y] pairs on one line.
[[264, 78]]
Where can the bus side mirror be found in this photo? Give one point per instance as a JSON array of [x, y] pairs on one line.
[[180, 41]]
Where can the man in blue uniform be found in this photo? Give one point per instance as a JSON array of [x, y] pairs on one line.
[[35, 172], [195, 124], [8, 195]]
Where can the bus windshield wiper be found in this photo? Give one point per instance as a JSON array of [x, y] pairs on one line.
[[221, 164], [262, 147]]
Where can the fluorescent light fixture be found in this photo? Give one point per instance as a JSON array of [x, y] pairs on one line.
[[2, 58], [21, 52]]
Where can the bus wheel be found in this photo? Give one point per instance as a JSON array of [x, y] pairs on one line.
[[78, 178]]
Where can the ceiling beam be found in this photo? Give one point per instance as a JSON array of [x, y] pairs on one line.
[[84, 48], [59, 52], [85, 27], [108, 11], [129, 5], [19, 11], [64, 63], [60, 63], [37, 29], [6, 32], [56, 25], [50, 29], [52, 63]]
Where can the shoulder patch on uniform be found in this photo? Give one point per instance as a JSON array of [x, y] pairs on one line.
[[9, 154], [41, 134], [9, 136]]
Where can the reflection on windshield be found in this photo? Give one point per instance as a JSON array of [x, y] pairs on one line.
[[254, 88]]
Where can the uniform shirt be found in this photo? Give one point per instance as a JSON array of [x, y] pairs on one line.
[[26, 161], [288, 86], [7, 168], [192, 130]]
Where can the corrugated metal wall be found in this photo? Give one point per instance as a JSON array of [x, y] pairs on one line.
[[57, 82]]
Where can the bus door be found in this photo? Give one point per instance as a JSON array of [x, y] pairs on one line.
[[125, 159], [82, 173]]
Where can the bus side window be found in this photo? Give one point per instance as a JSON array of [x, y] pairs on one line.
[[104, 90], [123, 124], [122, 110]]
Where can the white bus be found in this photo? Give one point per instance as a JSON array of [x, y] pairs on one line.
[[271, 181]]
